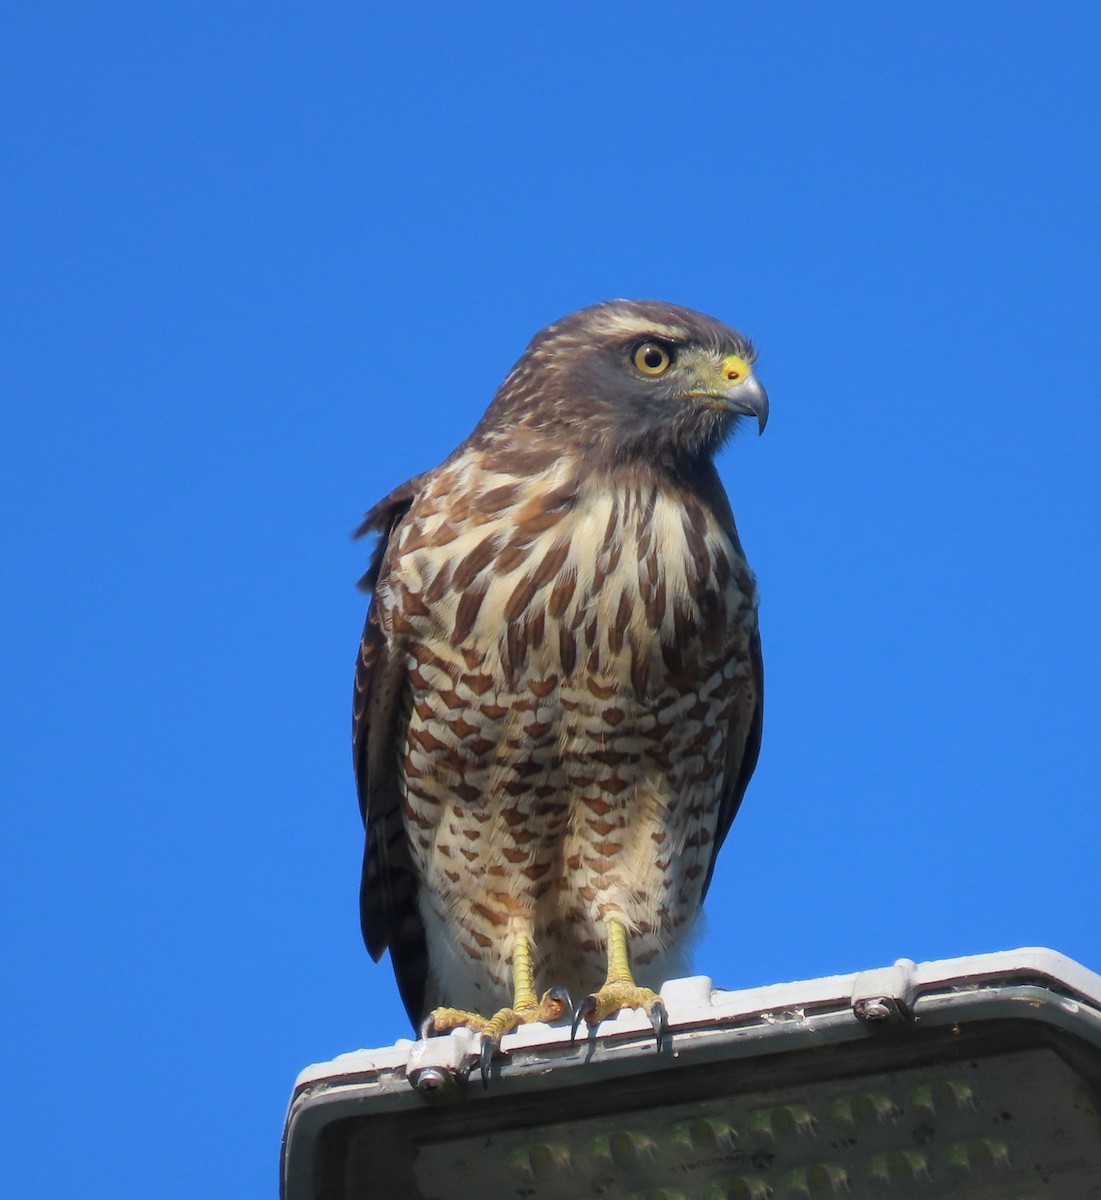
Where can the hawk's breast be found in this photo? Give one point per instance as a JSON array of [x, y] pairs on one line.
[[579, 671]]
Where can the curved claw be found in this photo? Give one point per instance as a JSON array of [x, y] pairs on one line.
[[659, 1018], [561, 996], [485, 1057], [428, 1027], [582, 1012]]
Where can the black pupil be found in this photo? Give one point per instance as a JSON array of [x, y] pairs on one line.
[[653, 357]]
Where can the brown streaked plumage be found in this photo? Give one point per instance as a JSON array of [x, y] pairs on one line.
[[558, 694]]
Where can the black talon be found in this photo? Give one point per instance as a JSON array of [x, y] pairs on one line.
[[563, 997], [659, 1018], [583, 1010], [485, 1057]]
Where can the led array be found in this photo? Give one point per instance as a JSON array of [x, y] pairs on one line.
[[916, 1133]]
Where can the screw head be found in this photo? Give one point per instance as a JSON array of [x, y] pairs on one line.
[[431, 1081], [876, 1010]]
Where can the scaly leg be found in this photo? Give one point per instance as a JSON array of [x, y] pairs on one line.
[[620, 990], [526, 1008]]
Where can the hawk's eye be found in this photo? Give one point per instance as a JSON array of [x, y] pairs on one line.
[[651, 359]]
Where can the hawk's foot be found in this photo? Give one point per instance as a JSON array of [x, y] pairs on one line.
[[526, 1009], [554, 1005], [616, 995], [620, 990]]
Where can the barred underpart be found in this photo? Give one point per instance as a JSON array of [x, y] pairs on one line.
[[559, 692]]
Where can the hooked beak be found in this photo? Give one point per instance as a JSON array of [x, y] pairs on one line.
[[747, 398]]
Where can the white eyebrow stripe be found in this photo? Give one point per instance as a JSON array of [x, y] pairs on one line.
[[614, 324]]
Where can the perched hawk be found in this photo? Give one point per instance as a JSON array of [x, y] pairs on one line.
[[558, 693]]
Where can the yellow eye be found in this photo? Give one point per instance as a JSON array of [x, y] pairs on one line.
[[651, 359]]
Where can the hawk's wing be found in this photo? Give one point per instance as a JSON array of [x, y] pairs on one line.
[[738, 772], [741, 755], [389, 915]]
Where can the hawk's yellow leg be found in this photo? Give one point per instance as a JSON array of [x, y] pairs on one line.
[[526, 1007], [620, 990]]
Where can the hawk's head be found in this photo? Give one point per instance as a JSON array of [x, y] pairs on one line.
[[631, 378]]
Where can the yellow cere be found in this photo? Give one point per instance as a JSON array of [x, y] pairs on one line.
[[735, 370]]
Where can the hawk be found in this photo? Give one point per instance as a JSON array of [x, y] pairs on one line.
[[558, 694]]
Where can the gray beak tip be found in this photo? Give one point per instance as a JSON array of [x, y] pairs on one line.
[[749, 399]]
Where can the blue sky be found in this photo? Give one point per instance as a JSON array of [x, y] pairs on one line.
[[261, 263]]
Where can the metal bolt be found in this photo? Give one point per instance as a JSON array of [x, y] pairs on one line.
[[874, 1011], [431, 1081]]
